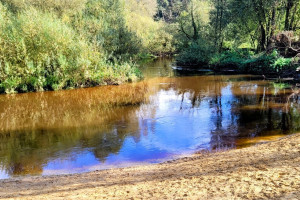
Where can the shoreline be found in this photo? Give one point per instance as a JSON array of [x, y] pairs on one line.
[[268, 170]]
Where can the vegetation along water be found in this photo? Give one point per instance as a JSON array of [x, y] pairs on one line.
[[53, 45], [160, 118], [142, 81]]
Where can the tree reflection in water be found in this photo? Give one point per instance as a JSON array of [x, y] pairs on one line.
[[138, 122], [36, 127]]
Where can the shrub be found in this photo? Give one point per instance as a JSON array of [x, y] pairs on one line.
[[282, 64], [36, 46], [161, 42], [233, 59], [243, 61], [260, 64], [59, 6], [39, 52], [103, 23], [196, 54]]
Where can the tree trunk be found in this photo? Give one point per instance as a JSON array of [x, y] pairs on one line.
[[292, 23], [289, 5], [273, 22], [258, 7], [221, 26], [273, 26], [196, 35], [216, 24], [263, 37]]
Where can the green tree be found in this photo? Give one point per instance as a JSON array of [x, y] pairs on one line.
[[169, 10], [253, 21]]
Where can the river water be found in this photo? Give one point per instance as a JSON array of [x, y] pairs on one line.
[[167, 115]]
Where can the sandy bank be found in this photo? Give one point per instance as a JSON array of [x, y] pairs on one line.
[[265, 171]]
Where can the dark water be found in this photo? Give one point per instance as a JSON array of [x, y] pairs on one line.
[[162, 117]]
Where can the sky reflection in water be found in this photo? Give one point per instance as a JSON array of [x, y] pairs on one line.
[[151, 121]]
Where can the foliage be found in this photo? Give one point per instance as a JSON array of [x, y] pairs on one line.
[[162, 42], [156, 36], [196, 54], [234, 25], [282, 63], [260, 64], [192, 38], [169, 10], [51, 44], [252, 21], [38, 51], [244, 61], [281, 86], [61, 6], [268, 64], [231, 58], [103, 23]]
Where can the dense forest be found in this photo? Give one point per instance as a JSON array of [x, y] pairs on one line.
[[53, 45]]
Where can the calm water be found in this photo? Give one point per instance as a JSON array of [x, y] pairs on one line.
[[160, 118]]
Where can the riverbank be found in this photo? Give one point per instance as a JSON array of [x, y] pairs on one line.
[[265, 171], [270, 64]]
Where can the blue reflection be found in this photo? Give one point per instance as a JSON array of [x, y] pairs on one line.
[[180, 116]]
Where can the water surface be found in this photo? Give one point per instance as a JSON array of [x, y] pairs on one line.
[[162, 117]]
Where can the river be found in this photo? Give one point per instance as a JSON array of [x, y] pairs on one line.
[[165, 116]]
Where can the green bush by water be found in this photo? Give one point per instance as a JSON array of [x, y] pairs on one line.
[[196, 54], [246, 62], [265, 63], [231, 58], [39, 51]]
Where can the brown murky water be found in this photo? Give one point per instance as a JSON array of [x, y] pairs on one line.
[[164, 116]]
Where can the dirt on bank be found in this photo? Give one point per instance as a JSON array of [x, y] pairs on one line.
[[265, 171]]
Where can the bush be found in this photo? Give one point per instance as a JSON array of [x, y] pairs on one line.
[[103, 23], [233, 59], [39, 52], [161, 42], [61, 6], [155, 36], [244, 62], [266, 64], [282, 64], [196, 54]]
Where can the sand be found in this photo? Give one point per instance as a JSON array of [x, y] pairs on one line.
[[265, 171]]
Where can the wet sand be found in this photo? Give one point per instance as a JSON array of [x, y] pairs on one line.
[[265, 171]]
